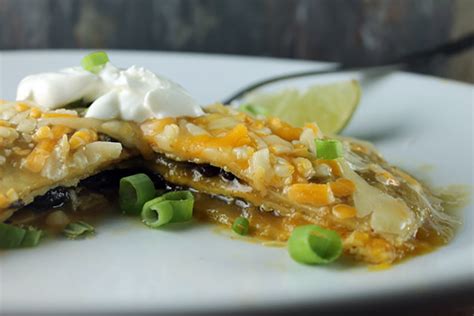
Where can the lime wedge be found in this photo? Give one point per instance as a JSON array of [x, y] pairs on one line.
[[331, 105]]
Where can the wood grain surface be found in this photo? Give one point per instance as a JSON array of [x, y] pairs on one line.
[[354, 32]]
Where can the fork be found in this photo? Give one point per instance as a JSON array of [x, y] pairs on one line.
[[409, 60]]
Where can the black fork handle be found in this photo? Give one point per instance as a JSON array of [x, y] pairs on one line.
[[446, 49]]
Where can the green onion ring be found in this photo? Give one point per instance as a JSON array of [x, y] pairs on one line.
[[134, 192], [16, 237], [312, 244], [94, 62], [157, 212], [11, 236], [183, 204], [241, 225], [328, 149], [78, 229], [253, 110], [171, 207], [32, 237]]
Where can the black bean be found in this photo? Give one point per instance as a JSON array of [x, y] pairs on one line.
[[207, 170], [227, 175], [17, 204], [54, 198], [158, 180], [110, 179]]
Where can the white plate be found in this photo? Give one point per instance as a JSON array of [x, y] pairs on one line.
[[415, 121]]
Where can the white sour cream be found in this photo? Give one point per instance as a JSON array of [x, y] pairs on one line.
[[133, 94]]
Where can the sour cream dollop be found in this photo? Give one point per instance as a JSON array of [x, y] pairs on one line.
[[133, 94]]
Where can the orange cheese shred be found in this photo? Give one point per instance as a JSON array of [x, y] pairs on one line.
[[237, 137], [311, 193], [342, 187], [58, 115], [344, 211], [284, 130]]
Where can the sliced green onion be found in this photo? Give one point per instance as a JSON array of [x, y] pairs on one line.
[[183, 204], [134, 192], [16, 237], [253, 110], [157, 212], [171, 207], [78, 229], [94, 62], [329, 149], [241, 225], [312, 244], [11, 236], [32, 237]]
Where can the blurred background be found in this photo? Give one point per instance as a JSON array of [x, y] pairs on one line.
[[358, 32]]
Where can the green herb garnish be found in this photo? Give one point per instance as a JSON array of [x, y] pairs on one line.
[[241, 225], [16, 237], [134, 192], [312, 244], [78, 230], [171, 207], [328, 149], [94, 62], [254, 110]]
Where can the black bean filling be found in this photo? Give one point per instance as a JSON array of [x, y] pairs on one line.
[[54, 198], [212, 171], [107, 183], [206, 170], [227, 175], [17, 204]]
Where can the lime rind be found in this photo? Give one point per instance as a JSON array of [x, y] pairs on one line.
[[331, 106]]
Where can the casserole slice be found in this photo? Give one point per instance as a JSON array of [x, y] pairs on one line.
[[45, 154], [263, 169], [271, 173]]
